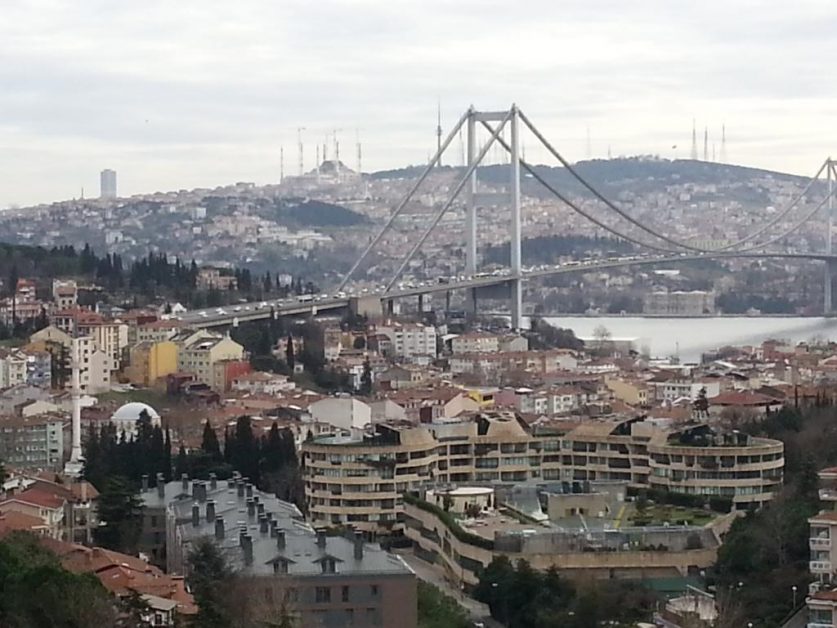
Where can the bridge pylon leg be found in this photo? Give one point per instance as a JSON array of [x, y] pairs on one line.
[[517, 304], [827, 285]]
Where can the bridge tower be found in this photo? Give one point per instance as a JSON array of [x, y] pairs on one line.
[[827, 305], [471, 209]]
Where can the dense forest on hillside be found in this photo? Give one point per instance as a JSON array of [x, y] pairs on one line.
[[151, 278], [547, 249], [314, 213]]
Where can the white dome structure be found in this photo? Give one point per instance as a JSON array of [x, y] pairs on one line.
[[125, 418]]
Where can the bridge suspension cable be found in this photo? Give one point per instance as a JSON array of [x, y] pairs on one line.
[[441, 212], [651, 231], [529, 168], [433, 162]]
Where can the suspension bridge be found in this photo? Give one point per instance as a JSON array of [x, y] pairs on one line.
[[659, 247]]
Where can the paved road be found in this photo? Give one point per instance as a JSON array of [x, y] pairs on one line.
[[430, 574]]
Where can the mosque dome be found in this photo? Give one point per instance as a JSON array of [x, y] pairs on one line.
[[132, 411]]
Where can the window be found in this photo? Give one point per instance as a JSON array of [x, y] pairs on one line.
[[345, 594], [322, 595], [373, 590]]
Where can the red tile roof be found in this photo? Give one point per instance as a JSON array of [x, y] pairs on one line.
[[38, 497]]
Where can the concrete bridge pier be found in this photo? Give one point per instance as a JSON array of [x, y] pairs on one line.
[[828, 285]]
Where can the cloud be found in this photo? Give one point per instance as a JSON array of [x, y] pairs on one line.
[[202, 92]]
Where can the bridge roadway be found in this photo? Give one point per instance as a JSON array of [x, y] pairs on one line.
[[315, 304]]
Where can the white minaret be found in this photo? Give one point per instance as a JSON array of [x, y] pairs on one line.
[[76, 464]]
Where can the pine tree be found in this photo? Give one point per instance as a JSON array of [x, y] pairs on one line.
[[366, 379], [210, 444]]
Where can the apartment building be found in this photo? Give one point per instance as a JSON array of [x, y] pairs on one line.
[[109, 337], [157, 331], [359, 481], [483, 342], [12, 368], [151, 360], [30, 365], [199, 352], [670, 389], [409, 339], [464, 546], [325, 581], [679, 303], [64, 293], [38, 504], [35, 442], [822, 598]]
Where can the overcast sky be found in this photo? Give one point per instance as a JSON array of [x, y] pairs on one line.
[[204, 92]]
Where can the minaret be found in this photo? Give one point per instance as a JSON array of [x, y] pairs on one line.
[[75, 466], [723, 143], [299, 131], [359, 153], [318, 163], [705, 143], [694, 141], [281, 164]]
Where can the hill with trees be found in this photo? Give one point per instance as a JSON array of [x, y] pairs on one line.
[[314, 213]]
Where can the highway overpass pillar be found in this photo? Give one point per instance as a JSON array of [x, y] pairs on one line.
[[369, 306]]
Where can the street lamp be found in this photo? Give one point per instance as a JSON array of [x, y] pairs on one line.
[[793, 588]]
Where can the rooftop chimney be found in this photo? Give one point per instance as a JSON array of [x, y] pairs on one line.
[[230, 483], [196, 515], [280, 539], [161, 486], [273, 529], [263, 525], [240, 486], [213, 481], [251, 508], [260, 508], [184, 480], [210, 511], [219, 528], [358, 546], [144, 482], [321, 538], [249, 488], [247, 546]]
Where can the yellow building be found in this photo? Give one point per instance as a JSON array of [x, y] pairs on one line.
[[483, 396], [198, 355], [633, 393], [150, 361]]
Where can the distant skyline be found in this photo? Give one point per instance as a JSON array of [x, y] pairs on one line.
[[201, 93]]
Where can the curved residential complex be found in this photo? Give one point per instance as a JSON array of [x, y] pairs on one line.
[[359, 481]]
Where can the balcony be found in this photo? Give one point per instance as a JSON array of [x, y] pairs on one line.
[[819, 566], [819, 543]]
